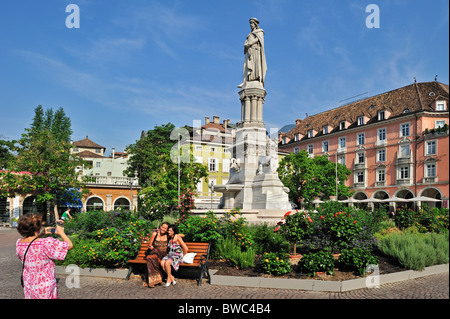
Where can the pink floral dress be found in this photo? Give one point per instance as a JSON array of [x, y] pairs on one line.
[[39, 280]]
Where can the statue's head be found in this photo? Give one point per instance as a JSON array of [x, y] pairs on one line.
[[254, 23]]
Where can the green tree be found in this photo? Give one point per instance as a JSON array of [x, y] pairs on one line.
[[44, 153], [157, 170], [6, 153], [310, 177]]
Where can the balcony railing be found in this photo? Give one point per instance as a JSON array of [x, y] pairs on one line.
[[359, 185], [359, 166], [110, 180], [404, 181], [381, 142], [430, 180], [404, 158]]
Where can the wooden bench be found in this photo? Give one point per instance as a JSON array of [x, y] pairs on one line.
[[200, 260]]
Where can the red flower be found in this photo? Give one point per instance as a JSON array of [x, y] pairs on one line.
[[354, 222], [287, 213], [309, 219], [321, 217], [276, 229]]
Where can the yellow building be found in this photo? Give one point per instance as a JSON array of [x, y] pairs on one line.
[[209, 144]]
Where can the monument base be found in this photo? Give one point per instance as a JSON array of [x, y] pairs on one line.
[[253, 216]]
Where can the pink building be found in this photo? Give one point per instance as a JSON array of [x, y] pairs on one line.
[[396, 144]]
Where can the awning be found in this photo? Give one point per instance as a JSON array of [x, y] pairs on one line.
[[423, 199], [70, 199], [394, 199]]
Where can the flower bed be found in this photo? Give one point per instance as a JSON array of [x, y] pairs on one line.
[[109, 239]]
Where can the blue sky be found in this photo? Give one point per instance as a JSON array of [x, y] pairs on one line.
[[135, 64]]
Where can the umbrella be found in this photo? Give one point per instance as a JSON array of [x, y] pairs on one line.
[[423, 199], [348, 200], [394, 199], [370, 200]]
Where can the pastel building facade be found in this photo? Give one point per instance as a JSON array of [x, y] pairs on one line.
[[210, 144], [109, 188], [396, 144]]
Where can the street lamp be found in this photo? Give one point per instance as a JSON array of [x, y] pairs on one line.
[[211, 188]]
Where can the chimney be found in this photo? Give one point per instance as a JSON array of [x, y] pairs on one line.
[[206, 120], [297, 121], [226, 123], [216, 119], [113, 152]]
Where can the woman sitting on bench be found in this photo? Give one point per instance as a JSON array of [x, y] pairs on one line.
[[177, 249]]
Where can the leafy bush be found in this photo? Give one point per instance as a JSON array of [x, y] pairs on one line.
[[229, 250], [339, 231], [317, 261], [296, 227], [276, 263], [202, 229], [357, 259], [416, 251], [233, 224], [105, 239], [266, 240], [431, 220], [425, 220], [186, 204], [404, 217], [335, 227]]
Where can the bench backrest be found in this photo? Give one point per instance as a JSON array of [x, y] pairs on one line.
[[199, 248], [141, 253]]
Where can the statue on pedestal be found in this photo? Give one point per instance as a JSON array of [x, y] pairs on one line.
[[255, 66]]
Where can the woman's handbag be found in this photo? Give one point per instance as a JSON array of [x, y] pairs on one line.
[[23, 264]]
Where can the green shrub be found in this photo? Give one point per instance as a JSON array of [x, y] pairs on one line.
[[357, 259], [266, 240], [416, 251], [425, 220], [229, 250], [233, 224], [276, 263], [317, 261], [297, 227], [202, 229], [105, 239], [404, 217], [431, 219]]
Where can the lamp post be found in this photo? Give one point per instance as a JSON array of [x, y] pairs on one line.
[[336, 176], [178, 157], [211, 188]]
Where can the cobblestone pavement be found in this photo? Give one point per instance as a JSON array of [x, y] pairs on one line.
[[430, 287]]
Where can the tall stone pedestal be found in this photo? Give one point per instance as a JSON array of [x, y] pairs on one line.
[[254, 182]]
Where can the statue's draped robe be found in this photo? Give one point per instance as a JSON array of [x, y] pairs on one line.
[[255, 66]]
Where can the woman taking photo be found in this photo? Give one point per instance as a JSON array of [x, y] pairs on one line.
[[39, 280]]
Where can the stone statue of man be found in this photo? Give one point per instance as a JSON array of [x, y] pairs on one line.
[[255, 58]]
